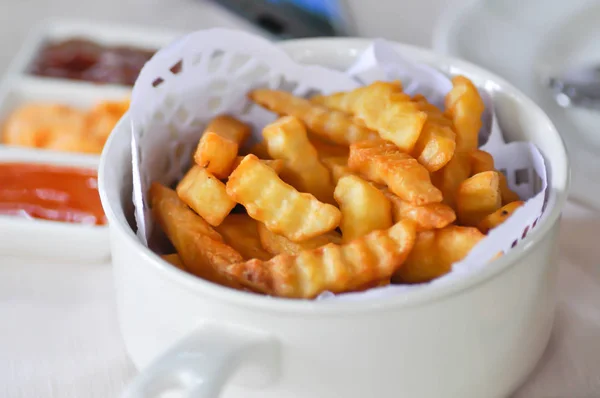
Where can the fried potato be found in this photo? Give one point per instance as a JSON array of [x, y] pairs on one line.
[[327, 150], [219, 145], [465, 107], [364, 208], [338, 167], [205, 194], [276, 164], [335, 268], [437, 142], [241, 232], [383, 163], [174, 260], [434, 253], [382, 107], [483, 161], [496, 218], [426, 217], [284, 210], [277, 244], [330, 125], [478, 197], [449, 178], [200, 247], [286, 139], [480, 161], [260, 150]]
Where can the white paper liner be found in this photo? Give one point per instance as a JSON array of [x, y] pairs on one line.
[[210, 72]]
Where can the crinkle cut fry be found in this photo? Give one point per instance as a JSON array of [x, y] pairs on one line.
[[331, 125], [382, 107], [465, 107], [200, 247], [383, 163], [285, 211], [335, 268]]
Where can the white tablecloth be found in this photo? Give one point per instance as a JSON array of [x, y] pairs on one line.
[[59, 335]]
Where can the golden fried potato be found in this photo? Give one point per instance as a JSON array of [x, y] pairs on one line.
[[330, 125], [382, 107], [205, 194], [382, 162], [373, 257], [240, 231], [434, 253], [277, 244], [465, 107], [480, 161], [326, 150], [338, 167], [276, 164], [284, 210], [426, 217], [449, 178], [260, 150], [200, 247], [174, 260], [219, 145], [435, 146], [508, 195], [364, 208], [478, 197], [286, 139], [496, 218]]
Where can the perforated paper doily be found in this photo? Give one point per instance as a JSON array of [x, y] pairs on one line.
[[210, 72]]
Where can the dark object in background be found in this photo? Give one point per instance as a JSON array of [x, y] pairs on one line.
[[287, 19], [81, 59]]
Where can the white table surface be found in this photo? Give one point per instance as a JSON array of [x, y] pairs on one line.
[[59, 335]]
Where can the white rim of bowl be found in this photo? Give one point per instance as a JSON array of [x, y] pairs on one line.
[[442, 37], [421, 296]]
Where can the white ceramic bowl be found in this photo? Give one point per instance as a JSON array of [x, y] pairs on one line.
[[478, 337]]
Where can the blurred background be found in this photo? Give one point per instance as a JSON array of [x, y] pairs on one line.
[[407, 21]]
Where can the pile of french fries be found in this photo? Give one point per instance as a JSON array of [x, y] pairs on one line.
[[344, 193]]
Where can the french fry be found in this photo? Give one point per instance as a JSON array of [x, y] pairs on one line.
[[327, 150], [241, 232], [286, 139], [373, 257], [174, 260], [219, 145], [499, 216], [338, 167], [199, 246], [284, 210], [330, 125], [383, 163], [449, 178], [426, 217], [382, 107], [364, 208], [205, 194], [277, 244], [276, 164], [482, 161], [434, 253], [260, 150], [478, 197], [465, 107]]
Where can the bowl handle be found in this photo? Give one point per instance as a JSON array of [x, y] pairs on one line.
[[203, 361]]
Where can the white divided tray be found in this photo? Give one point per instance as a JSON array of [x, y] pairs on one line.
[[25, 237]]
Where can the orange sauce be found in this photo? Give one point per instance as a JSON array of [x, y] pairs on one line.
[[56, 193]]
